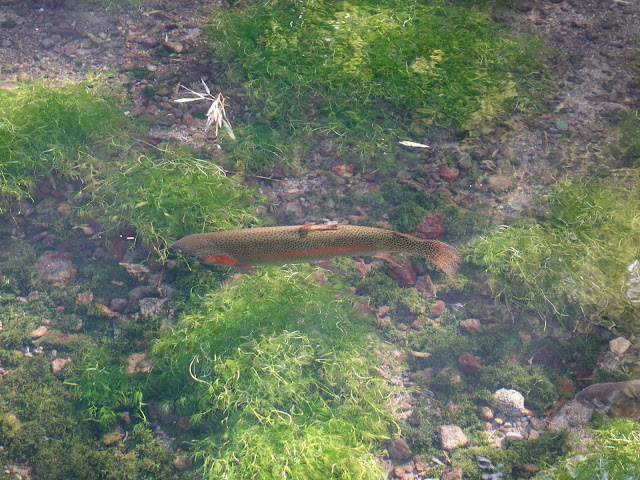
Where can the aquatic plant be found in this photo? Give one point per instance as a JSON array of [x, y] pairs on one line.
[[280, 372], [572, 263], [614, 454], [365, 74], [167, 197], [47, 131]]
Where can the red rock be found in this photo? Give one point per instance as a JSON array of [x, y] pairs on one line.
[[58, 364], [344, 171], [403, 273], [468, 364], [437, 309], [448, 173], [471, 325], [398, 472], [399, 450], [417, 324], [426, 286], [431, 226]]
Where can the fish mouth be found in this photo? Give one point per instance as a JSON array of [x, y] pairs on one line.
[[175, 248]]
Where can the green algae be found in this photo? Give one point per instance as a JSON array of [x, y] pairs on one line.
[[284, 384], [572, 263], [364, 74]]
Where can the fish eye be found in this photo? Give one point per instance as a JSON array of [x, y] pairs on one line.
[[192, 256]]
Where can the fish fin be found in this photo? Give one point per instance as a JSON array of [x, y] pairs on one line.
[[404, 235], [244, 268], [445, 256], [312, 227]]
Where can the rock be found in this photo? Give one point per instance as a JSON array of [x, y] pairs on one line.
[[510, 402], [437, 309], [499, 183], [431, 226], [468, 364], [451, 436], [151, 307], [56, 269], [425, 285], [38, 332], [65, 209], [485, 413], [403, 273], [174, 46], [58, 364], [398, 472], [448, 173], [118, 304], [418, 324], [528, 470], [471, 325], [463, 160], [619, 346], [452, 474], [181, 462], [139, 363], [399, 450]]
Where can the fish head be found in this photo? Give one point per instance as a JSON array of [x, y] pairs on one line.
[[202, 248]]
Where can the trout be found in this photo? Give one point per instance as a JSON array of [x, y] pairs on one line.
[[307, 243]]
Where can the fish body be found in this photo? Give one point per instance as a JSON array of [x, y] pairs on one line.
[[308, 243]]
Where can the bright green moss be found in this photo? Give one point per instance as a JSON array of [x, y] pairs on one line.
[[365, 73], [52, 130], [574, 262], [615, 454], [169, 197], [284, 383]]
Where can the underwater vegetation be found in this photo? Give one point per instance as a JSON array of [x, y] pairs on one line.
[[53, 130], [573, 262], [365, 74], [80, 132], [283, 385], [613, 453]]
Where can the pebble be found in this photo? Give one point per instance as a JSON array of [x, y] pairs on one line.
[[399, 450], [437, 309], [451, 436], [468, 364], [403, 273], [471, 325], [619, 346], [58, 364], [510, 402], [485, 413], [431, 226], [38, 332], [499, 183]]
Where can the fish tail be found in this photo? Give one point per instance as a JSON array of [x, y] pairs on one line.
[[445, 256]]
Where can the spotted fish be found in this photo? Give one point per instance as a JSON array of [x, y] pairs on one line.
[[308, 243]]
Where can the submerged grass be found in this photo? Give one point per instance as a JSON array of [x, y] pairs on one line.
[[53, 130], [366, 73], [281, 374], [572, 264], [167, 197], [80, 132], [615, 454]]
